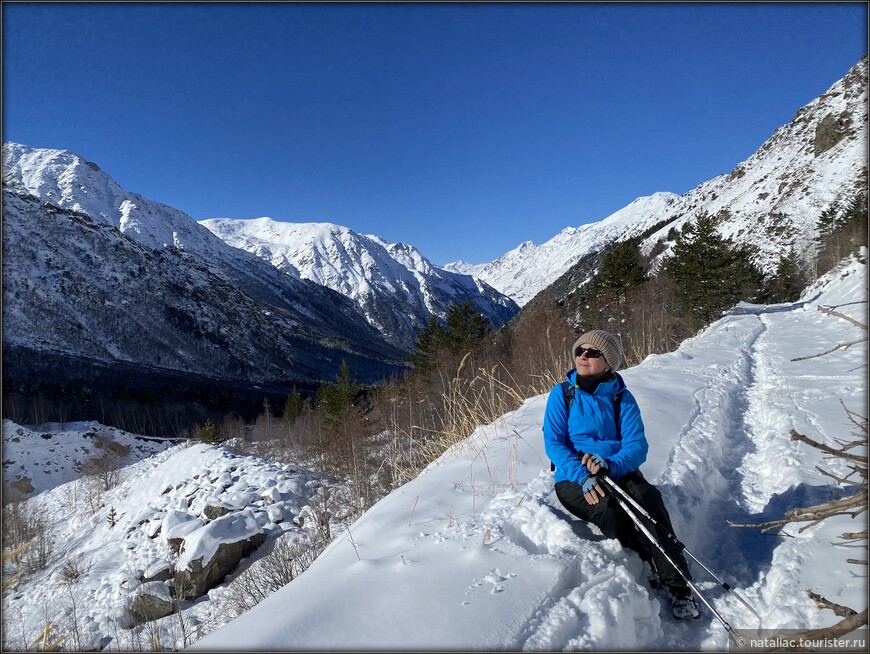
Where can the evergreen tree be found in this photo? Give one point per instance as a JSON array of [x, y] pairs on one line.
[[465, 327], [622, 268], [711, 275], [208, 433], [293, 406], [829, 220], [337, 399], [790, 279], [429, 342]]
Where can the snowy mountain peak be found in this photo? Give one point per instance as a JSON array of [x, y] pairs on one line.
[[108, 275], [528, 268], [397, 287]]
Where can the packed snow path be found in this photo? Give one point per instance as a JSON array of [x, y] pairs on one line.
[[476, 553]]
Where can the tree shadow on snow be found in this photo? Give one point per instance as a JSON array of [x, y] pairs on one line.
[[743, 553]]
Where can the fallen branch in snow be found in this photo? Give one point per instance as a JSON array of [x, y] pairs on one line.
[[833, 349], [830, 311], [841, 453], [834, 632], [852, 505], [823, 603]]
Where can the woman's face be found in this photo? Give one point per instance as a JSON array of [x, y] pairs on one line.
[[589, 365]]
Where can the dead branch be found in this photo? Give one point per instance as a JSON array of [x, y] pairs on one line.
[[830, 311], [845, 626], [842, 480], [826, 448], [855, 418], [857, 561], [855, 535], [823, 603], [833, 349]]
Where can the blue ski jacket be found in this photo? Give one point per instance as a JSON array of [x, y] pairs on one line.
[[591, 428]]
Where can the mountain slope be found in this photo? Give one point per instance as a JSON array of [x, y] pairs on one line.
[[476, 553], [770, 201], [92, 271], [525, 270], [396, 286]]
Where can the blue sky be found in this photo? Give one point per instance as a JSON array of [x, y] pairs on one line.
[[463, 129]]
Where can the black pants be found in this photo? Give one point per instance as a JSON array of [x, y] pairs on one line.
[[613, 522]]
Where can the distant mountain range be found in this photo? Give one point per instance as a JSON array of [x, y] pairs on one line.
[[94, 275], [770, 201], [397, 288]]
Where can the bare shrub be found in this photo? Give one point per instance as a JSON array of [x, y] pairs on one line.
[[24, 525], [74, 569], [289, 556]]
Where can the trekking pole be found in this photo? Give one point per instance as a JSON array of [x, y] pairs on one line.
[[661, 549], [676, 542]]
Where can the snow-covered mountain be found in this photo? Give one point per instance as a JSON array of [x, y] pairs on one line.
[[525, 270], [93, 272], [396, 286], [770, 201], [476, 553]]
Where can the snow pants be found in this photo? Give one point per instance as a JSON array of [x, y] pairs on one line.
[[613, 522]]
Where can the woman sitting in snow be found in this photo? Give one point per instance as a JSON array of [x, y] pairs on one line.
[[587, 424]]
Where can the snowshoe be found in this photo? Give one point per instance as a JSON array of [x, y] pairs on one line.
[[683, 604]]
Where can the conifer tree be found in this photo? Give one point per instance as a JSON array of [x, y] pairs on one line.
[[465, 327], [208, 433], [710, 273], [293, 406], [337, 399], [790, 279], [622, 268], [429, 342]]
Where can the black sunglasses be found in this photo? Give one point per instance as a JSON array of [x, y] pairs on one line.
[[590, 352]]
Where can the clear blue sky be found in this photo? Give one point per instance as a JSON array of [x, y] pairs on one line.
[[463, 129]]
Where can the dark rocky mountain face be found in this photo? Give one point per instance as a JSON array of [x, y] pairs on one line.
[[84, 291]]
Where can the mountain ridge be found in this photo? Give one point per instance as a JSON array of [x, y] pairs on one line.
[[396, 286]]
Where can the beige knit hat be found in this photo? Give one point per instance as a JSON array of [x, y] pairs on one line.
[[604, 341]]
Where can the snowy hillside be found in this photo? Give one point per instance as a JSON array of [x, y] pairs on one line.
[[773, 198], [37, 460], [94, 272], [525, 270], [395, 285], [477, 554]]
